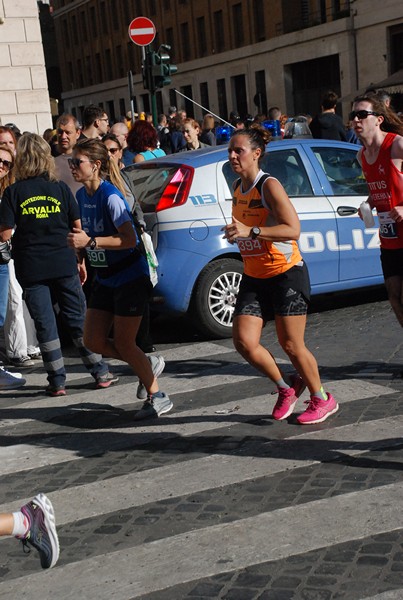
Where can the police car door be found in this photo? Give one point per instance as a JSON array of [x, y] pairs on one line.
[[345, 186]]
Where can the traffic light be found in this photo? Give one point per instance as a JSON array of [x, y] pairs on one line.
[[163, 69], [147, 71]]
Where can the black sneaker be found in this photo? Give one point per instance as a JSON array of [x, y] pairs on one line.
[[42, 533]]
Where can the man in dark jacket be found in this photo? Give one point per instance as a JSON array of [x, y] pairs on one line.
[[328, 125]]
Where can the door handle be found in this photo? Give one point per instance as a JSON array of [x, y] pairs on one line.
[[346, 211]]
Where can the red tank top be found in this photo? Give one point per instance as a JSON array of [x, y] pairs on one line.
[[385, 183]]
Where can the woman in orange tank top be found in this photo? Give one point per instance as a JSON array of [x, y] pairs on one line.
[[265, 226]]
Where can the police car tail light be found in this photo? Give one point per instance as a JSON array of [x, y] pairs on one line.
[[177, 191]]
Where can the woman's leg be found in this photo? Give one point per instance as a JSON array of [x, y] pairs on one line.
[[246, 334], [290, 333], [123, 345]]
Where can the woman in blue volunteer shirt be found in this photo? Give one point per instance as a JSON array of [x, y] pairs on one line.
[[122, 284]]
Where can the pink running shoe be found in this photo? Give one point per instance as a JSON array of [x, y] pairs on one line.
[[318, 410], [285, 403]]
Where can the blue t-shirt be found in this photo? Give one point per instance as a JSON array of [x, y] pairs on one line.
[[101, 215]]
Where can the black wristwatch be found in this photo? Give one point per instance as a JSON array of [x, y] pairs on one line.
[[254, 232], [93, 243]]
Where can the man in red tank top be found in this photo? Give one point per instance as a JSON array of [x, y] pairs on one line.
[[380, 132]]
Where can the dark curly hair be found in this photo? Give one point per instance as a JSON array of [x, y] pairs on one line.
[[142, 136]]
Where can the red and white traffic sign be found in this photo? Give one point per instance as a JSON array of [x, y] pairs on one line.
[[142, 31]]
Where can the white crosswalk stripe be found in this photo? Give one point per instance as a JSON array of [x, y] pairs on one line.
[[210, 550]]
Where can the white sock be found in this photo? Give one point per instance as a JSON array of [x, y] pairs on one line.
[[21, 524]]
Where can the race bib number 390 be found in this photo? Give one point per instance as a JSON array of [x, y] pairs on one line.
[[97, 258]]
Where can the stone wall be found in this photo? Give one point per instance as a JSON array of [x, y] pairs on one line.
[[24, 97]]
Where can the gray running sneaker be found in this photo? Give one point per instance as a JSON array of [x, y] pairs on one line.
[[154, 406], [42, 533], [157, 365]]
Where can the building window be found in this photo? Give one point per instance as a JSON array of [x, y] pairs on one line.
[[119, 61], [204, 99], [172, 97], [98, 68], [80, 73], [94, 22], [70, 74], [219, 31], [167, 4], [237, 24], [152, 7], [66, 35], [186, 47], [222, 99], [88, 70], [258, 17], [122, 107], [108, 64], [83, 22], [396, 47], [139, 8], [104, 18], [74, 29], [201, 36], [260, 99], [115, 16]]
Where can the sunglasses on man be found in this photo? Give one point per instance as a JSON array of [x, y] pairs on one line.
[[361, 114]]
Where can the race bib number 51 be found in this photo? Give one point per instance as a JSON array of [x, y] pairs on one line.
[[387, 226]]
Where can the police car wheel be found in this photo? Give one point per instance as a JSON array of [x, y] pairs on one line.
[[214, 297]]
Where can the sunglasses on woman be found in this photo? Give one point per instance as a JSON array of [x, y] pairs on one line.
[[7, 163], [361, 114], [76, 162]]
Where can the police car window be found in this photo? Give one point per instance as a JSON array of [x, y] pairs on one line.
[[286, 166], [147, 184], [343, 171]]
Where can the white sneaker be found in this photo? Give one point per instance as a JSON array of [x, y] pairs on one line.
[[157, 365], [10, 381]]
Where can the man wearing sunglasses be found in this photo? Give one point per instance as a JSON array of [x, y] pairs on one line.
[[380, 132]]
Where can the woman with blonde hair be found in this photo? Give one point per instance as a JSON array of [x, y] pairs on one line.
[[122, 285], [207, 135], [42, 210]]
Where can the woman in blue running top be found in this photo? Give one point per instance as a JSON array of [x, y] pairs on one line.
[[122, 284]]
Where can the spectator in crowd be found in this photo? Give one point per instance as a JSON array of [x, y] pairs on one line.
[[19, 331], [274, 113], [122, 131], [164, 135], [8, 138], [327, 125], [122, 287], [191, 132], [67, 134], [143, 140], [207, 135], [114, 148], [95, 122], [8, 381], [178, 141], [42, 210]]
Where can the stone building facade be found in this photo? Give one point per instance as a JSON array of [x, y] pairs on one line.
[[242, 55], [24, 97]]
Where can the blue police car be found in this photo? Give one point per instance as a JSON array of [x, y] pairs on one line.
[[187, 198]]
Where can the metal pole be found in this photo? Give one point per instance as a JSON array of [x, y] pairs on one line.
[[209, 111]]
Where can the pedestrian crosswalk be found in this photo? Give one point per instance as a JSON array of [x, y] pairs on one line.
[[171, 507]]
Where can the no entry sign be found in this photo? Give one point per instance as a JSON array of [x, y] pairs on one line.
[[142, 31]]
